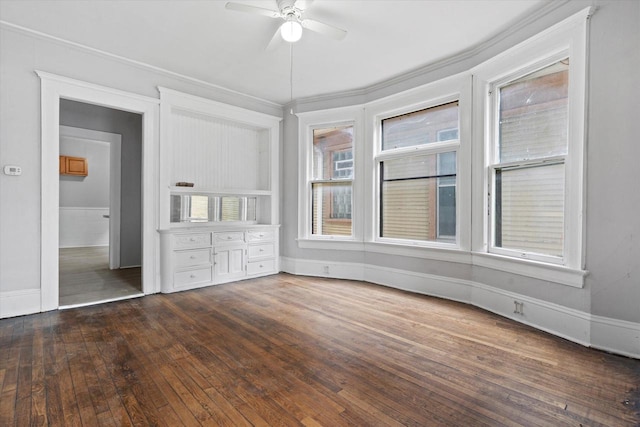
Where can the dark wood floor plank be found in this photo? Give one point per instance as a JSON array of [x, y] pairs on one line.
[[291, 351]]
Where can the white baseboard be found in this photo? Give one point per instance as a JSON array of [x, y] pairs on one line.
[[19, 303], [612, 335], [616, 336], [335, 270]]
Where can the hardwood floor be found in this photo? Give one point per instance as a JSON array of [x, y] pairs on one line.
[[288, 350], [85, 277]]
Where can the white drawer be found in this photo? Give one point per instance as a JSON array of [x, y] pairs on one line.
[[259, 235], [229, 237], [258, 267], [261, 250], [190, 277], [196, 240], [191, 258]]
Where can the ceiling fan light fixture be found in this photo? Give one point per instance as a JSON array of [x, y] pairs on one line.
[[291, 30]]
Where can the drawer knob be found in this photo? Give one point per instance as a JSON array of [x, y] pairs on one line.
[[193, 276], [228, 237], [261, 266], [192, 257], [260, 235], [261, 250], [193, 239]]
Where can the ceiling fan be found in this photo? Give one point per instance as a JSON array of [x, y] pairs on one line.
[[292, 12]]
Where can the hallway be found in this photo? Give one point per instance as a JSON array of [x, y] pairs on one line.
[[85, 277]]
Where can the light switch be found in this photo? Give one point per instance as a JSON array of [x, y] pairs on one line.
[[12, 170]]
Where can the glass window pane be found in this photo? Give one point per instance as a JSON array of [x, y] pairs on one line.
[[331, 209], [333, 153], [533, 114], [421, 127], [251, 209], [231, 208], [199, 208], [418, 197], [530, 209]]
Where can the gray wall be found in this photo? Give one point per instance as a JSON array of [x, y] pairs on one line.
[[613, 176], [129, 126], [612, 288], [20, 140]]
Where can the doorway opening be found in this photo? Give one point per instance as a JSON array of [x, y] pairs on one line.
[[55, 88], [91, 269]]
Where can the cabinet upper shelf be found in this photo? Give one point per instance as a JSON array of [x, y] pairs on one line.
[[222, 192]]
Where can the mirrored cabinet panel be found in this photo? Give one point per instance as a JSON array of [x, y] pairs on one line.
[[201, 208]]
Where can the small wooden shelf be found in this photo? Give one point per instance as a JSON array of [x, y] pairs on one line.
[[76, 166], [231, 192]]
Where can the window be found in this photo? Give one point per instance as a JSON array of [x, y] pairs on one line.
[[331, 181], [530, 151], [417, 170]]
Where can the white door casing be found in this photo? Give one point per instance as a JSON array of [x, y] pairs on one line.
[[54, 88]]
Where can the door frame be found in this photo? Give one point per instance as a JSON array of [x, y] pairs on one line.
[[114, 140], [54, 88]]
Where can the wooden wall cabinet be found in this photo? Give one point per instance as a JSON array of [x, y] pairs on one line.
[[76, 166]]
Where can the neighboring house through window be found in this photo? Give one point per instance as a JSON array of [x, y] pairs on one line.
[[331, 183], [417, 166]]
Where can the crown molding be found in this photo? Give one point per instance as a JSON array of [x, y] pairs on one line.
[[361, 95], [138, 64], [386, 87]]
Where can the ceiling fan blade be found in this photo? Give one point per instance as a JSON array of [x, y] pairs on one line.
[[252, 9], [324, 29], [302, 4], [276, 41]]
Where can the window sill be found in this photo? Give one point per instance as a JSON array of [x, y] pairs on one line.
[[447, 254], [344, 244], [536, 269]]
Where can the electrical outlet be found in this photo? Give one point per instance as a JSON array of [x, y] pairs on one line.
[[325, 269], [519, 307]]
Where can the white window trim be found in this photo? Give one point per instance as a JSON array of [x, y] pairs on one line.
[[307, 123], [452, 89], [567, 38], [473, 160]]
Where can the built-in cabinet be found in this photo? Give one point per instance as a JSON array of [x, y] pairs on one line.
[[195, 257], [225, 226]]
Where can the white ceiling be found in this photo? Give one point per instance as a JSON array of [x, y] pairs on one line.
[[203, 40]]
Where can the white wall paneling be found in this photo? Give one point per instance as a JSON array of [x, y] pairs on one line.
[[82, 227], [220, 148], [207, 150]]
